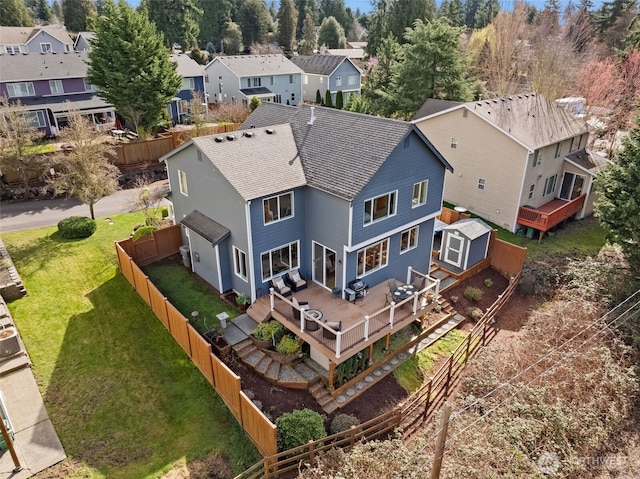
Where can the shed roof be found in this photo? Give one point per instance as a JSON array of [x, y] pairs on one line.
[[472, 228], [258, 65], [43, 66], [209, 229]]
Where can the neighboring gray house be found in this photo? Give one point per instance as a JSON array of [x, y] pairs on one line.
[[271, 78], [40, 39], [328, 72], [44, 83], [192, 75], [465, 243], [83, 41]]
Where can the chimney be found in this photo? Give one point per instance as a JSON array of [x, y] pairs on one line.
[[313, 117]]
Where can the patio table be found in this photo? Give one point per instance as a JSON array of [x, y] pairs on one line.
[[403, 292]]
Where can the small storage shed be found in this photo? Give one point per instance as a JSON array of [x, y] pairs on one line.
[[465, 243]]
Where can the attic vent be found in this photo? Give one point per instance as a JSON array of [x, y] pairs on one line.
[[231, 137], [219, 139], [270, 131], [248, 134]]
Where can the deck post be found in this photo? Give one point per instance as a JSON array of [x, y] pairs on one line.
[[409, 269], [391, 311], [272, 299], [435, 297], [332, 369], [338, 341], [302, 320], [387, 341], [415, 302], [366, 327], [370, 352]]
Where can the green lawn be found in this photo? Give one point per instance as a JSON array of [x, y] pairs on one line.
[[125, 399]]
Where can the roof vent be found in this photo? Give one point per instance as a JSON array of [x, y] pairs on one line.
[[270, 131], [219, 139], [248, 134], [231, 137], [313, 117]]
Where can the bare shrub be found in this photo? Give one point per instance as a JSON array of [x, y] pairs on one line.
[[229, 112]]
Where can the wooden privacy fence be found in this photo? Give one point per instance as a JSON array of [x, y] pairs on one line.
[[423, 402], [506, 257], [161, 244], [226, 383]]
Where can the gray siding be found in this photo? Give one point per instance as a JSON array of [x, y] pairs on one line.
[[43, 37]]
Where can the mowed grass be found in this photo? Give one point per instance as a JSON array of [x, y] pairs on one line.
[[124, 398]]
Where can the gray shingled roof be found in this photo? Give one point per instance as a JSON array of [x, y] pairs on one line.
[[209, 229], [259, 165], [81, 102], [319, 64], [42, 66], [342, 150], [433, 105], [187, 66], [258, 65], [14, 35], [587, 160], [530, 118], [472, 228]]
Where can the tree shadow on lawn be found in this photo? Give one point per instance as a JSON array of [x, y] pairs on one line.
[[126, 400], [40, 251]]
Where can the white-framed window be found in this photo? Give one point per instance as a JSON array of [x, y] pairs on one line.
[[379, 208], [419, 193], [35, 119], [277, 208], [182, 179], [454, 142], [279, 260], [240, 263], [188, 84], [277, 99], [409, 239], [46, 47], [183, 107], [532, 190], [481, 183], [305, 80], [550, 185], [20, 89], [12, 49], [272, 80], [89, 87], [338, 81], [537, 158], [352, 80], [558, 150], [293, 78], [373, 257], [56, 87]]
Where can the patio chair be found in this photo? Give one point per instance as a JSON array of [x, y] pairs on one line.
[[335, 326], [388, 298], [280, 286], [297, 306], [418, 283], [392, 284], [295, 281]]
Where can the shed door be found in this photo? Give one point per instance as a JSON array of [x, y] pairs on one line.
[[453, 250]]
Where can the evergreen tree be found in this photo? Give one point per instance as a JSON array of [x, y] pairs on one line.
[[328, 100], [232, 41], [57, 11], [305, 7], [486, 12], [618, 206], [14, 13], [378, 28], [212, 23], [470, 9], [337, 10], [331, 34], [43, 11], [254, 21], [432, 66], [255, 103], [308, 42], [403, 14], [287, 17], [318, 97], [378, 90], [130, 65], [177, 19], [76, 13], [339, 100], [453, 10]]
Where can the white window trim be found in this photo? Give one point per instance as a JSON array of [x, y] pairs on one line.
[[291, 265], [240, 260], [482, 184], [554, 182], [409, 247], [88, 86], [424, 184], [265, 207], [182, 181], [454, 142], [339, 81], [11, 89], [532, 189], [372, 200], [44, 48], [12, 49], [537, 158], [57, 83], [364, 271], [188, 84], [39, 118]]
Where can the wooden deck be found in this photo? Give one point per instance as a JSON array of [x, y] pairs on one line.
[[545, 217], [362, 323]]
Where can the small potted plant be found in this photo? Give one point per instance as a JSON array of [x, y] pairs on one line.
[[243, 301], [289, 347], [266, 335]]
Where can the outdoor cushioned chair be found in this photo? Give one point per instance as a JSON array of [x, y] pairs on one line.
[[295, 280], [297, 306], [336, 326], [280, 286]]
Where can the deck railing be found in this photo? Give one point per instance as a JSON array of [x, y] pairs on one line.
[[544, 221]]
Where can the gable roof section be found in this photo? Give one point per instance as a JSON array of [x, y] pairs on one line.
[[58, 33], [186, 66], [472, 228], [433, 106], [257, 65], [42, 66], [258, 165], [320, 64], [209, 229], [530, 118], [341, 151], [14, 35], [87, 36]]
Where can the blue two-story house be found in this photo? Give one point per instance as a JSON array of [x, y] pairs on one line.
[[331, 73], [336, 195], [192, 75]]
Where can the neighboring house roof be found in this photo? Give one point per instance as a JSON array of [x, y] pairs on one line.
[[59, 33], [81, 101], [433, 106], [256, 91], [257, 165], [14, 35], [587, 160], [356, 44], [87, 36], [472, 228], [42, 66], [347, 52], [341, 151], [320, 64], [187, 66], [209, 229], [258, 65]]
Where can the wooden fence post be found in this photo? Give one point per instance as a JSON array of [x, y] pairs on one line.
[[311, 451], [466, 357], [427, 402], [484, 333], [446, 387], [442, 438]]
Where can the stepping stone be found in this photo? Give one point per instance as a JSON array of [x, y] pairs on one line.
[[360, 385], [329, 408], [386, 367], [368, 379], [340, 399], [377, 372], [457, 317], [394, 361], [402, 356], [439, 331], [350, 392], [432, 336]]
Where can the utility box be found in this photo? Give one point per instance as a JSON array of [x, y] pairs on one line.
[[186, 256], [350, 295]]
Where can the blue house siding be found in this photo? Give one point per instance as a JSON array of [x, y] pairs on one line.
[[345, 70]]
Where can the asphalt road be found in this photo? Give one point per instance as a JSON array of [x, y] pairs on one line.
[[24, 215]]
